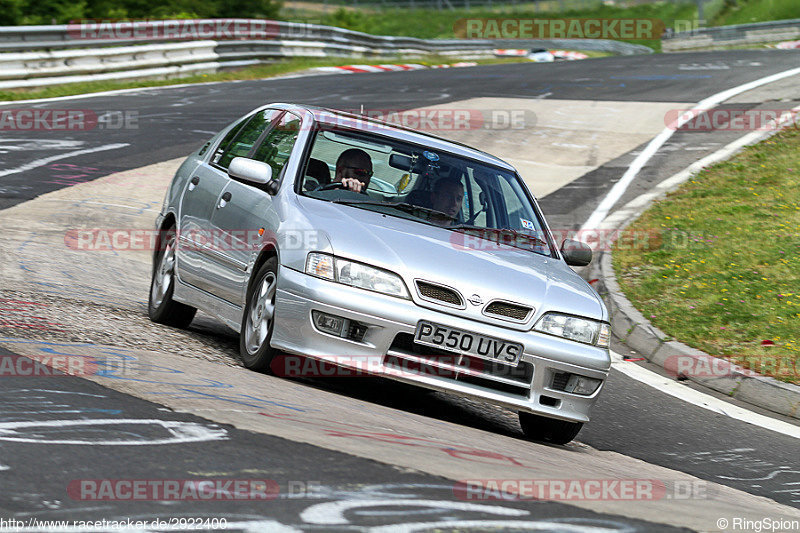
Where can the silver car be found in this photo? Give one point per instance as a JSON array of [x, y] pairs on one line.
[[436, 268]]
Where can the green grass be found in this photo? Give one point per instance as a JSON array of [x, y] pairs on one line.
[[725, 275], [250, 73], [431, 24], [747, 11]]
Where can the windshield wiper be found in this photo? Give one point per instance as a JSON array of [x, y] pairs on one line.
[[506, 236], [400, 206]]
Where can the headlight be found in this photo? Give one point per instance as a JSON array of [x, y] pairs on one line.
[[355, 274], [573, 328]]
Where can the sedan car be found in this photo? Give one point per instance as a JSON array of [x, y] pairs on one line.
[[541, 55], [435, 265]]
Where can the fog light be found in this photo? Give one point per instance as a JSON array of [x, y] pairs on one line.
[[331, 324], [582, 385]]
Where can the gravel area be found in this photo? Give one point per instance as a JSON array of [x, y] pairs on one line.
[[46, 317]]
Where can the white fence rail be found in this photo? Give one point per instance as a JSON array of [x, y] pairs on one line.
[[737, 35], [34, 56]]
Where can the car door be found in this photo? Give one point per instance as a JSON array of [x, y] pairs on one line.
[[244, 214], [196, 242]]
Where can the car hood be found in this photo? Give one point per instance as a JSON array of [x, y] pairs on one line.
[[419, 251]]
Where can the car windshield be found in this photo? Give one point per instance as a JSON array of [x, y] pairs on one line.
[[423, 185]]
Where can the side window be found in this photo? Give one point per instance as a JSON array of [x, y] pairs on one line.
[[227, 140], [246, 137], [479, 201], [277, 146], [513, 205], [520, 216]]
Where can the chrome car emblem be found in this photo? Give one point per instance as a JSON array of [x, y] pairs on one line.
[[475, 300]]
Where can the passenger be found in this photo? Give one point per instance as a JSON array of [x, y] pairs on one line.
[[354, 170], [448, 196]]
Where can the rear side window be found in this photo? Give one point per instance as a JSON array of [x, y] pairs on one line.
[[277, 146], [244, 138], [227, 140]]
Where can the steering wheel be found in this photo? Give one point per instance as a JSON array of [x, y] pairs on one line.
[[330, 186]]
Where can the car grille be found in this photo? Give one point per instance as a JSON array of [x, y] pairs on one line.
[[430, 291], [408, 356], [560, 380], [508, 310]]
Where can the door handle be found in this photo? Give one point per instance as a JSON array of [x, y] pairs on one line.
[[193, 182], [224, 200]]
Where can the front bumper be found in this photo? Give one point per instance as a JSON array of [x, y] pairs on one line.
[[387, 318]]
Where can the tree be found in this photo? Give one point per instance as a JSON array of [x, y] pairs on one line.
[[10, 12]]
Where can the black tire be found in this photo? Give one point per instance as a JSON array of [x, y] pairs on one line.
[[258, 320], [541, 428], [161, 307]]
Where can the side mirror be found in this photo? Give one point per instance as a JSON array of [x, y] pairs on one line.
[[576, 253], [250, 170]]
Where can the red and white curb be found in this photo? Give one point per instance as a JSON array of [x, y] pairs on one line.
[[357, 69], [788, 45]]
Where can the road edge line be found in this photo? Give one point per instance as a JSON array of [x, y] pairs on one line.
[[619, 188]]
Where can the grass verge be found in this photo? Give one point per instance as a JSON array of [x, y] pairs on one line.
[[257, 72], [726, 276], [431, 23], [748, 11]]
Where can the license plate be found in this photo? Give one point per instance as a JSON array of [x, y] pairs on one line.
[[466, 343]]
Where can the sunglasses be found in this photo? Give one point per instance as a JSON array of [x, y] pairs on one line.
[[361, 172]]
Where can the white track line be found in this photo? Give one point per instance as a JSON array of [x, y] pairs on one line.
[[641, 160], [689, 395], [623, 214], [46, 160]]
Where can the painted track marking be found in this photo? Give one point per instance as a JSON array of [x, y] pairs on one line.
[[700, 399], [653, 146], [41, 162]]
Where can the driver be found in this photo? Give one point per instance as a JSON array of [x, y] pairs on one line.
[[354, 169]]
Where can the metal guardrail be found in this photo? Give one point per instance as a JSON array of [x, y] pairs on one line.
[[46, 55], [736, 35]]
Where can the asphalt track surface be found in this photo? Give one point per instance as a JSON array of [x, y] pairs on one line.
[[630, 418]]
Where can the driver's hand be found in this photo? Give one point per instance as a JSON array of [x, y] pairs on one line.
[[353, 184]]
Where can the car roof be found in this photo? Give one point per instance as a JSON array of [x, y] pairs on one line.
[[361, 122]]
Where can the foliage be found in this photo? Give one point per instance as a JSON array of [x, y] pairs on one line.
[[17, 12]]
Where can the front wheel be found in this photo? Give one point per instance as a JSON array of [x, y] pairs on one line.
[[541, 428], [259, 318], [161, 308]]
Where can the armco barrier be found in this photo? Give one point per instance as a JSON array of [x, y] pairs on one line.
[[727, 36], [33, 56]]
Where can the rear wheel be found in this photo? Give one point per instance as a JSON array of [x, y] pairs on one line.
[[161, 307], [259, 318], [541, 428]]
